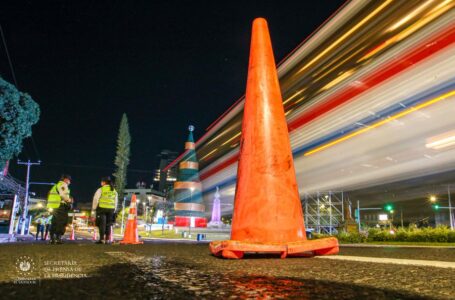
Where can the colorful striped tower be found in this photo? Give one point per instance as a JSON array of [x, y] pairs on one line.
[[189, 207]]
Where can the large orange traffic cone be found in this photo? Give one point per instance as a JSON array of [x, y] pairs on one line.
[[267, 210], [131, 236]]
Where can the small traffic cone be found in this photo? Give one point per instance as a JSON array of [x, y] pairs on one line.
[[72, 237], [111, 236], [130, 236], [95, 236], [268, 214]]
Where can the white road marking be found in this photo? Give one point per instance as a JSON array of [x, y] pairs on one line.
[[396, 261]]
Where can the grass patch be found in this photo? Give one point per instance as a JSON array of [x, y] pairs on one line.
[[167, 234]]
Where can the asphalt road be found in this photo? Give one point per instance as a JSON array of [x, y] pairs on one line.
[[171, 270]]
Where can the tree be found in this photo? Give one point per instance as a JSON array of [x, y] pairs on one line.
[[122, 158], [18, 113]]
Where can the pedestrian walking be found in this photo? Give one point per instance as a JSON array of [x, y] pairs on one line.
[[40, 223], [103, 207], [59, 201]]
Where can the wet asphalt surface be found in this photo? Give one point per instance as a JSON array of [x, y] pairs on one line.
[[172, 270]]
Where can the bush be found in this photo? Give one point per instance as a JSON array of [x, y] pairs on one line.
[[380, 235], [451, 236], [440, 234], [351, 237], [402, 235]]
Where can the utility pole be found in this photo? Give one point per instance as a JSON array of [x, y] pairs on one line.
[[401, 215], [27, 184], [358, 215], [450, 207]]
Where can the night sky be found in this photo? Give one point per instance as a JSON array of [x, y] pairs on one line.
[[166, 64]]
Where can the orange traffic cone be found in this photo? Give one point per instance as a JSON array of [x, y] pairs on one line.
[[268, 214], [94, 237], [72, 237], [111, 236], [131, 236]]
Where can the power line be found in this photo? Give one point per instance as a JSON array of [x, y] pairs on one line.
[[17, 86], [97, 167], [34, 147], [9, 58]]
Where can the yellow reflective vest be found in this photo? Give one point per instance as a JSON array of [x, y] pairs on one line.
[[54, 198], [108, 196]]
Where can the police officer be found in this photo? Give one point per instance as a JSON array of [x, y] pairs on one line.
[[40, 221], [59, 201], [104, 206]]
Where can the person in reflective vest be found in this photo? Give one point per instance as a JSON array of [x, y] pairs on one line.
[[59, 203], [40, 222], [104, 206]]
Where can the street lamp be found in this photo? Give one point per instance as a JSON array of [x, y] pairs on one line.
[[433, 198], [391, 218], [145, 208]]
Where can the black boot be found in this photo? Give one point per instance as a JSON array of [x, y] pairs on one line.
[[53, 240], [59, 239]]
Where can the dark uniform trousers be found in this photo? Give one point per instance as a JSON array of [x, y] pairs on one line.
[[46, 231], [104, 220], [39, 229], [59, 221]]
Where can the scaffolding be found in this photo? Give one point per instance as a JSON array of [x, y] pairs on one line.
[[9, 185], [324, 211], [12, 195]]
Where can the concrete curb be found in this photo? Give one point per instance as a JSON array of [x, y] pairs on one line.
[[393, 246]]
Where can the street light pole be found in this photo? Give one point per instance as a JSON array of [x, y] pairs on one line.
[[358, 213], [146, 207], [367, 208], [401, 215], [391, 219], [13, 216], [27, 185]]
